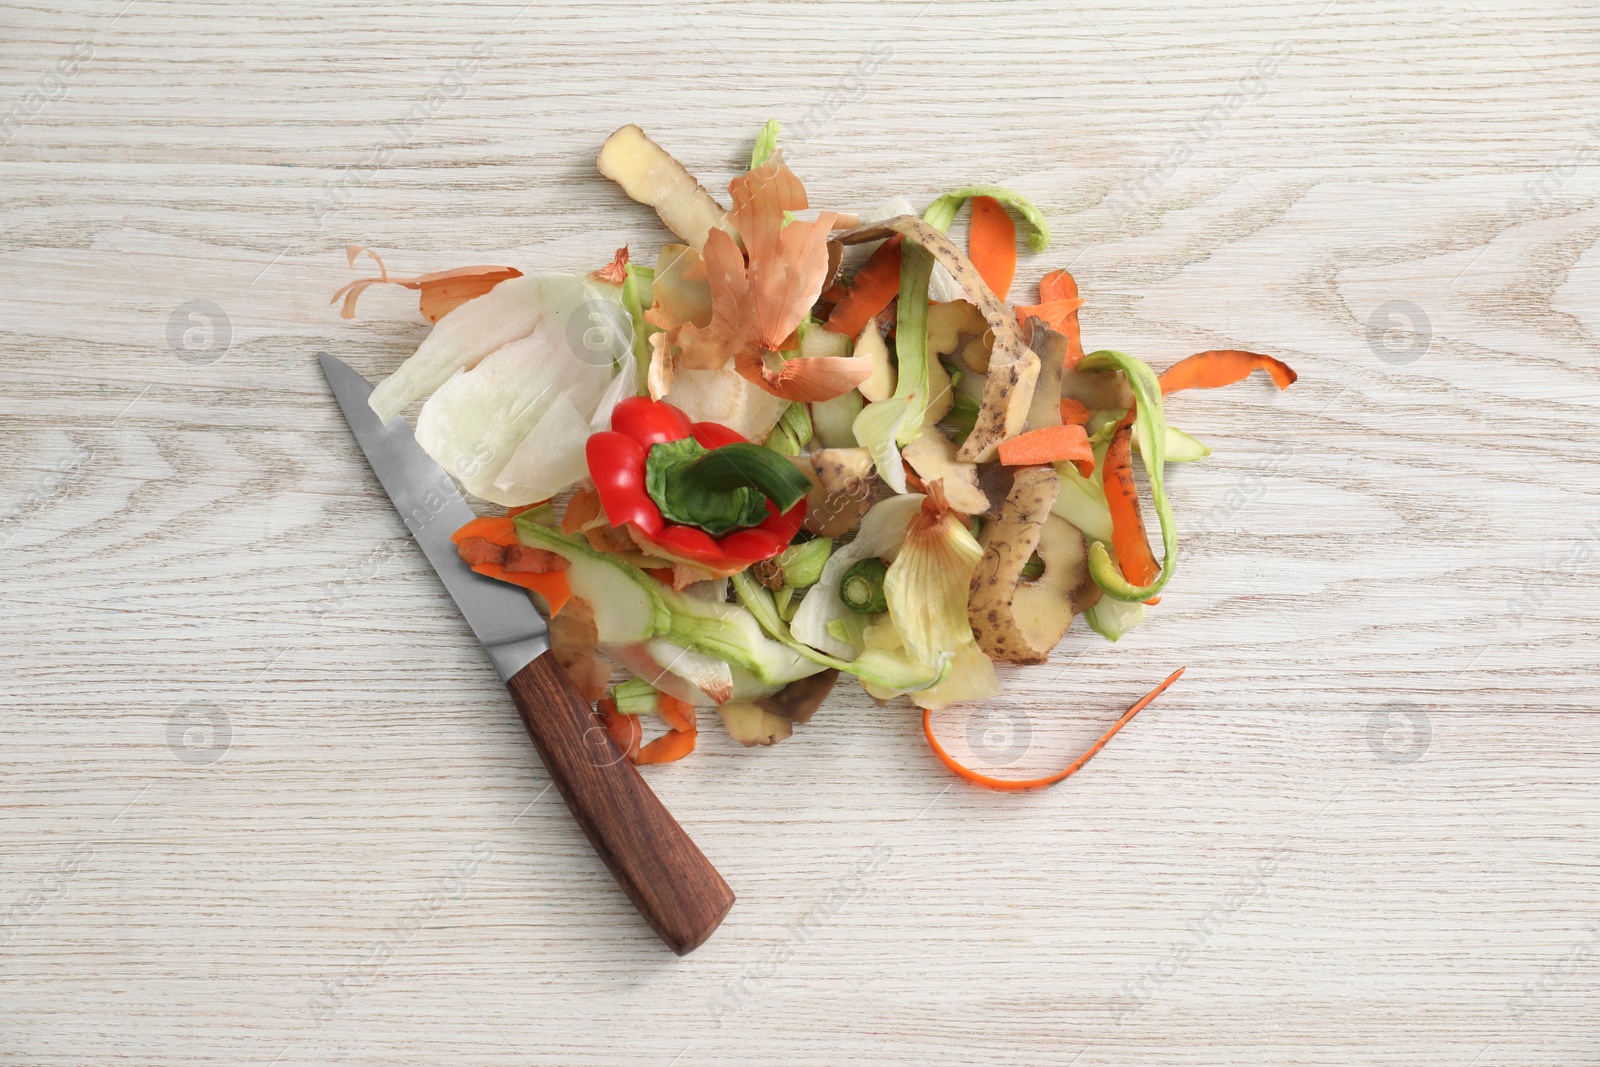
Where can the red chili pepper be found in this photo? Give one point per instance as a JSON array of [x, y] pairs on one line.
[[617, 466]]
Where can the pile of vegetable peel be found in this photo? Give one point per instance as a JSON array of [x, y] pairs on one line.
[[798, 448]]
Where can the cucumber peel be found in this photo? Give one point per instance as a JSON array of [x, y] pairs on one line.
[[875, 666], [630, 606], [1113, 618]]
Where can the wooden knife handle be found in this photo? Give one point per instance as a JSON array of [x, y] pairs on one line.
[[667, 877]]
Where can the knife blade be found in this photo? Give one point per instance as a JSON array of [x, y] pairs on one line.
[[501, 616], [676, 889]]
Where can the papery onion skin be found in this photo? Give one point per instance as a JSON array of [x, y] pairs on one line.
[[927, 584]]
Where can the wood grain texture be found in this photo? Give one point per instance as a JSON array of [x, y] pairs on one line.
[[262, 801], [663, 873]]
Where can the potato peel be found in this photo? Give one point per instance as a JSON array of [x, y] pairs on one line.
[[649, 174]]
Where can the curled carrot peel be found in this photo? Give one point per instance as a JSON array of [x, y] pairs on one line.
[[1147, 414], [679, 714], [1056, 314], [441, 291], [1137, 562], [1212, 370], [1013, 785], [1058, 285], [552, 585], [496, 528], [669, 747], [624, 729], [992, 244], [874, 285], [1058, 308], [500, 530], [1050, 444]]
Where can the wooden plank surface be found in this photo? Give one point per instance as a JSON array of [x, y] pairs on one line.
[[263, 802]]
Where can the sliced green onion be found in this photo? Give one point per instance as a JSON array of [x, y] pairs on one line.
[[861, 588]]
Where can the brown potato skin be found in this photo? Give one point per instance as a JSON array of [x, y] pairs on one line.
[[1007, 543], [1097, 390], [846, 487], [800, 699]]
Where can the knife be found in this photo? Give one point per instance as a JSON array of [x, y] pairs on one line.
[[667, 877]]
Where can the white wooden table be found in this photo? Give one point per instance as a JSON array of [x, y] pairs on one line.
[[263, 801]]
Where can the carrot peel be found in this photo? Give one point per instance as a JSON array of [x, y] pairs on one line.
[[1212, 370], [1073, 413], [496, 528], [1058, 308], [1050, 444], [672, 746], [552, 585], [624, 729], [679, 714], [1133, 550], [500, 530], [1015, 785], [668, 748], [992, 244], [874, 285], [1138, 563]]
